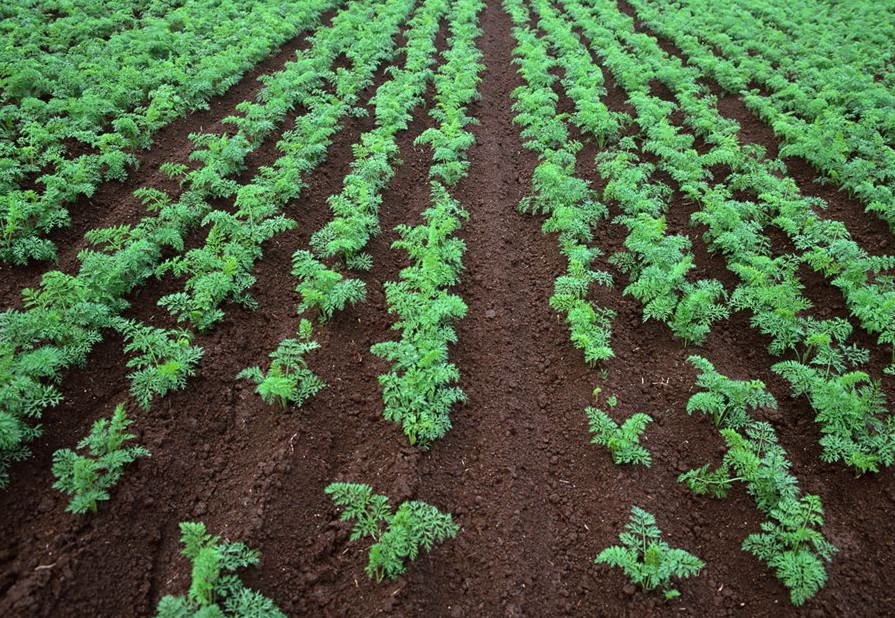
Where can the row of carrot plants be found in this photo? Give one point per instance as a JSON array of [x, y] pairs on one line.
[[572, 205], [420, 389], [790, 541]]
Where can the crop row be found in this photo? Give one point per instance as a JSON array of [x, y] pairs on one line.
[[419, 390], [570, 201]]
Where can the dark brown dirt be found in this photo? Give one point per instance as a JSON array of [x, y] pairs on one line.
[[537, 502]]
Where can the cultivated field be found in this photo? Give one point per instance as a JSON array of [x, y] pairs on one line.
[[425, 303]]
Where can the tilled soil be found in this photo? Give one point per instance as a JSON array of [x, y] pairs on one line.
[[536, 501]]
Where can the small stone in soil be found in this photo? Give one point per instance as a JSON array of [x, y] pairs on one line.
[[46, 504]]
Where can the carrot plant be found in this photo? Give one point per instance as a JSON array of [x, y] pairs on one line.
[[646, 559], [623, 441], [324, 289], [356, 207], [288, 380], [163, 359], [216, 590], [413, 526], [727, 402], [90, 476]]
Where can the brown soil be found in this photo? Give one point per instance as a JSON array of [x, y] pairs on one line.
[[536, 501]]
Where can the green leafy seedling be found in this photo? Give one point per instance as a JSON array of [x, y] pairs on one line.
[[648, 561], [215, 590], [288, 380], [413, 526], [89, 477], [622, 441]]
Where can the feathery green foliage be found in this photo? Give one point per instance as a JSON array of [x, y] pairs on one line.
[[657, 265], [222, 269], [728, 402], [163, 359], [90, 477], [356, 207], [753, 457], [851, 408], [791, 542], [413, 526], [646, 559], [622, 441], [216, 591], [792, 545], [288, 380], [322, 288], [64, 319]]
